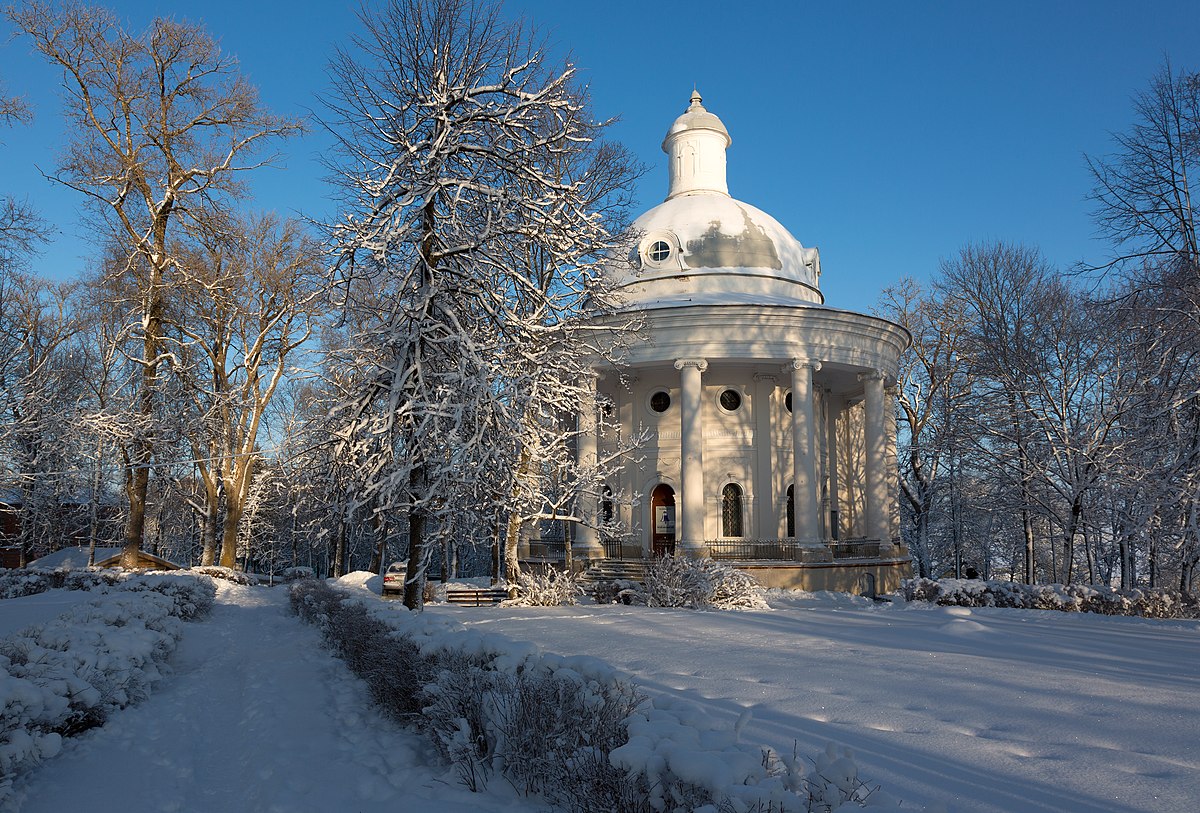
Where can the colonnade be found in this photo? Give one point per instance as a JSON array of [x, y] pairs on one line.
[[806, 483]]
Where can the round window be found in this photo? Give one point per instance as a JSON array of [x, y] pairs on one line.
[[787, 402], [660, 401], [731, 400], [659, 251]]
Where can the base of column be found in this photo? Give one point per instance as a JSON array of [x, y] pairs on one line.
[[589, 550], [692, 549]]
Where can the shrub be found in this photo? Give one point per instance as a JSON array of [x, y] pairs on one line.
[[551, 588], [18, 583], [571, 730], [1147, 603], [698, 584], [64, 677], [225, 574]]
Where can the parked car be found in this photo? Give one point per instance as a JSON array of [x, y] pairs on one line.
[[393, 579]]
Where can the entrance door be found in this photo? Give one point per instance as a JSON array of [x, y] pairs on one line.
[[662, 520]]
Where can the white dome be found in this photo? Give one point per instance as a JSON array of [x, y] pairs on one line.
[[702, 246]]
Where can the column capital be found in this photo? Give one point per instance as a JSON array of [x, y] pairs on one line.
[[872, 375], [800, 364], [699, 364]]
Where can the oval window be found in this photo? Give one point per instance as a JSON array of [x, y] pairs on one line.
[[731, 400], [660, 401]]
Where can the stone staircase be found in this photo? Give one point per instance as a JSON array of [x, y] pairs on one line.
[[609, 570]]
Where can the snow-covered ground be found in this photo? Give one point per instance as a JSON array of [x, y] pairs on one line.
[[18, 613], [257, 718], [984, 710], [981, 710]]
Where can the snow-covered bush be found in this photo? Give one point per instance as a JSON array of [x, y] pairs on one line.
[[192, 595], [571, 730], [18, 583], [225, 574], [90, 579], [698, 584], [1148, 603], [66, 676], [551, 588], [291, 574]]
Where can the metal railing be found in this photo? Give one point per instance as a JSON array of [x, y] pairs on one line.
[[618, 549], [548, 550], [854, 550], [752, 549]]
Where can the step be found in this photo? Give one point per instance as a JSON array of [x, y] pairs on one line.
[[615, 571]]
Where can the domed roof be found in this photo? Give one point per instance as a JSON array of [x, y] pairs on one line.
[[702, 246]]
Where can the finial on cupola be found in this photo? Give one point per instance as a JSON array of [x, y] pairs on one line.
[[696, 99]]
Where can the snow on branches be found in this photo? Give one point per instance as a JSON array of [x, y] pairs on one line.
[[479, 204]]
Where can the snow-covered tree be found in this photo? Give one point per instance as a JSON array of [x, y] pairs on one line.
[[478, 204], [39, 383]]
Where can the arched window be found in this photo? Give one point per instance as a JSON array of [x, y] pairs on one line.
[[731, 510], [791, 513]]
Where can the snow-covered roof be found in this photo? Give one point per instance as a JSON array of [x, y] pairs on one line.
[[702, 241], [73, 558]]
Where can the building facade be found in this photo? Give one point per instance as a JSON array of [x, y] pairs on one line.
[[753, 423]]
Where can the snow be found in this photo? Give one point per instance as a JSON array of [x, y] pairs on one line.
[[72, 558], [18, 613], [257, 717], [983, 710]]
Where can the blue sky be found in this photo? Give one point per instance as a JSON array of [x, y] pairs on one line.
[[886, 133]]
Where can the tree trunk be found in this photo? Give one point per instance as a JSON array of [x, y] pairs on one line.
[[512, 539], [234, 506], [208, 528], [1069, 538], [339, 545], [418, 559], [137, 481]]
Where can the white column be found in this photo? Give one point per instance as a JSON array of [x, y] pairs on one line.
[[877, 524], [586, 545], [691, 479], [804, 462]]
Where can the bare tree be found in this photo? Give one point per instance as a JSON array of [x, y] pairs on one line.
[[246, 303], [162, 124], [933, 388], [1144, 200], [1144, 192], [21, 229], [468, 166]]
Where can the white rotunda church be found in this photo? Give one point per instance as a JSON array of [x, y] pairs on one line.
[[764, 421]]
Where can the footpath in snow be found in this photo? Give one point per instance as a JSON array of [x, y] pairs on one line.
[[257, 718]]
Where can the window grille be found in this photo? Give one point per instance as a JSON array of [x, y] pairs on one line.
[[731, 510]]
